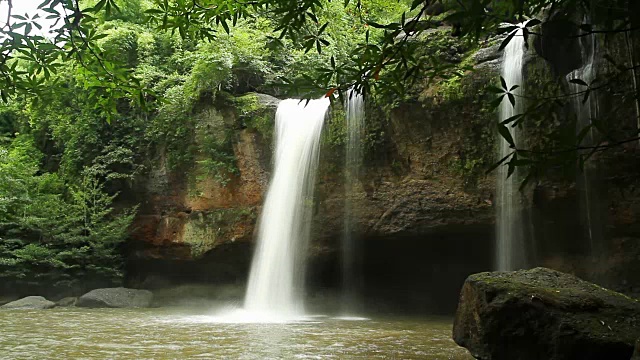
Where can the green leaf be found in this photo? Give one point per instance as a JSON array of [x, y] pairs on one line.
[[579, 82], [586, 28], [512, 165], [376, 25], [495, 166], [583, 133], [322, 28], [526, 181], [506, 41], [507, 29], [506, 135], [586, 96], [225, 26], [532, 23], [514, 118], [496, 102]]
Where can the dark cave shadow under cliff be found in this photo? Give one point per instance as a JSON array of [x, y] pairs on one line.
[[406, 274], [410, 273]]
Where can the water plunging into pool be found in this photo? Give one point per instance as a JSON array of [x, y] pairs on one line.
[[276, 280], [586, 112], [351, 265], [510, 247]]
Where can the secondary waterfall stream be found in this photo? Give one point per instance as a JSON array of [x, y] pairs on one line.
[[586, 112], [351, 272], [510, 247], [277, 271]]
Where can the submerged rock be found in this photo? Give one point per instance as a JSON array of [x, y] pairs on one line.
[[30, 302], [544, 314], [67, 302], [116, 298]]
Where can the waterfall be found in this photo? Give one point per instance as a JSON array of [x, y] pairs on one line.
[[351, 272], [510, 247], [277, 272], [585, 113]]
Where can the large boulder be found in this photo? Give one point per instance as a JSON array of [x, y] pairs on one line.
[[30, 303], [544, 314], [116, 298]]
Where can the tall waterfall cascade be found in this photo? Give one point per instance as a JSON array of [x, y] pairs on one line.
[[276, 280], [586, 112], [351, 272], [510, 242]]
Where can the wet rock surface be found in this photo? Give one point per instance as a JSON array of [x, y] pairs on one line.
[[116, 298], [544, 314]]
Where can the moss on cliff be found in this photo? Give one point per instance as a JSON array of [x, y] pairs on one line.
[[255, 115], [203, 231]]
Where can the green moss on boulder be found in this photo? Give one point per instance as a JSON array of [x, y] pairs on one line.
[[544, 314]]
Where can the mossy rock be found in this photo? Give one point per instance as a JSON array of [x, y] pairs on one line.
[[544, 314], [257, 111]]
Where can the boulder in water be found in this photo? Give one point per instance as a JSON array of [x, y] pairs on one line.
[[30, 303], [544, 314], [116, 298]]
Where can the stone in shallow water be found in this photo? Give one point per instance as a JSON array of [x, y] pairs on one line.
[[544, 314], [116, 298], [30, 302]]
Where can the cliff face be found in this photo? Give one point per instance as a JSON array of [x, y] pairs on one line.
[[422, 197], [420, 179], [410, 186]]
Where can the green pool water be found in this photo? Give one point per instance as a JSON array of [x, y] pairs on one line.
[[165, 333]]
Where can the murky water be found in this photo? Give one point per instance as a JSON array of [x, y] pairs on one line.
[[168, 334]]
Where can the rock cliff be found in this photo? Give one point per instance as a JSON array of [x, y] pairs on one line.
[[423, 195]]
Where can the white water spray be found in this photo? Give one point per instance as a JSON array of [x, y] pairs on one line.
[[277, 272], [351, 272], [510, 247]]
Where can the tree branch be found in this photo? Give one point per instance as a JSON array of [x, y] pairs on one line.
[[595, 148], [9, 8]]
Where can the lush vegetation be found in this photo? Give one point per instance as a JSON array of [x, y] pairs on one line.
[[54, 232], [85, 107], [86, 112]]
